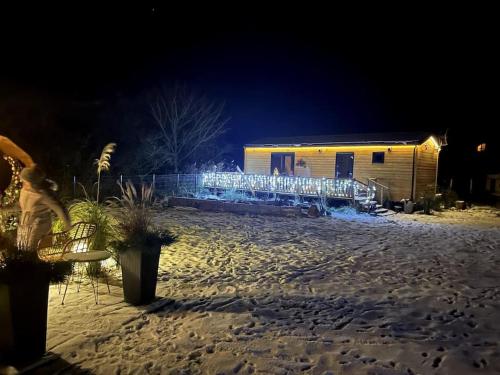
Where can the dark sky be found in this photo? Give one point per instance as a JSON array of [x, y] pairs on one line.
[[281, 71]]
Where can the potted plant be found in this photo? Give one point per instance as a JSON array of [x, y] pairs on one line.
[[302, 169], [301, 163], [24, 289], [139, 245]]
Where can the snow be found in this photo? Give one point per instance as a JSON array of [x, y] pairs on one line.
[[348, 294]]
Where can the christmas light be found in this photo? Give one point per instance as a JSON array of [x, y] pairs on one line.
[[11, 194], [307, 186]]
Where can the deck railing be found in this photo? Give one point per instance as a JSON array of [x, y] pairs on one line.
[[182, 185], [305, 186]]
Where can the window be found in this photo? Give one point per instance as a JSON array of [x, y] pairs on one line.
[[378, 157], [282, 162], [481, 147]]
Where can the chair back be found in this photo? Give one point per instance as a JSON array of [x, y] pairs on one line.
[[81, 235], [77, 239]]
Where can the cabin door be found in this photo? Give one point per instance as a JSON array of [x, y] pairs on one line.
[[344, 164], [284, 162]]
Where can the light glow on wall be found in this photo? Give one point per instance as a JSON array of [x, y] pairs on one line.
[[435, 142], [339, 148]]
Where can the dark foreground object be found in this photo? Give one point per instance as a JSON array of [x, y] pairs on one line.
[[139, 274], [23, 318]]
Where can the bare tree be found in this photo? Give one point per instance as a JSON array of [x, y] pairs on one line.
[[185, 123]]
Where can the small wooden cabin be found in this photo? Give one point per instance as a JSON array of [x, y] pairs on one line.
[[404, 164]]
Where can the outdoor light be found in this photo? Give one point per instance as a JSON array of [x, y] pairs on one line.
[[435, 142], [325, 187], [11, 194]]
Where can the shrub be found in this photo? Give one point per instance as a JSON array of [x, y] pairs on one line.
[[16, 264], [449, 197], [134, 221], [430, 201]]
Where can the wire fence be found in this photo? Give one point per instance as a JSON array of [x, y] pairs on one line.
[[178, 185]]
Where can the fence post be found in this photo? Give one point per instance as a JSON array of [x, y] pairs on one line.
[[154, 181], [121, 179], [74, 186]]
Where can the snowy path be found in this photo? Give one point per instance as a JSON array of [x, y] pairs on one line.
[[343, 295]]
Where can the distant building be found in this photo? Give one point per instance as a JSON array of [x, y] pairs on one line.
[[404, 164]]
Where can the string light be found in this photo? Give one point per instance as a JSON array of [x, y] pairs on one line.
[[310, 186], [11, 194]]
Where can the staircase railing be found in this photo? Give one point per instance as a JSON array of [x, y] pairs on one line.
[[378, 187]]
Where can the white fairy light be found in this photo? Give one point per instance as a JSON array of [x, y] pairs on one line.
[[11, 194], [327, 187]]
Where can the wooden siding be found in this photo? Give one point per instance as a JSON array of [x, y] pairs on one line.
[[395, 172], [426, 168]]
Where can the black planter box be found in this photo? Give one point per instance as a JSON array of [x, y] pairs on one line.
[[139, 274], [23, 318]]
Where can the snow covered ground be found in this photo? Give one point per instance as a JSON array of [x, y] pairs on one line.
[[404, 294]]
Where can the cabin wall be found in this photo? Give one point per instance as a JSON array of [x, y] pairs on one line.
[[426, 168], [395, 172]]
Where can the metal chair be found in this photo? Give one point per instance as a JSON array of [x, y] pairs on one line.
[[74, 246]]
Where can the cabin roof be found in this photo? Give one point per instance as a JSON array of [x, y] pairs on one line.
[[399, 138]]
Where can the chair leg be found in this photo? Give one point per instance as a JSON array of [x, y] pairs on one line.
[[89, 274], [80, 277], [106, 279], [107, 283], [97, 289], [65, 290]]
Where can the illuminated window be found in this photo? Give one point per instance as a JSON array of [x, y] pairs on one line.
[[378, 157], [481, 147], [283, 162]]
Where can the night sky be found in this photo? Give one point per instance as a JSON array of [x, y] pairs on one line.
[[280, 71]]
